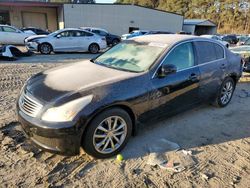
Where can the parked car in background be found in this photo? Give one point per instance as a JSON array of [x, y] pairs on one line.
[[158, 32], [214, 37], [110, 38], [12, 35], [35, 30], [67, 40], [97, 103], [134, 33], [244, 52], [231, 39]]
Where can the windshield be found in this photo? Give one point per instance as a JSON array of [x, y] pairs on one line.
[[132, 56], [54, 33]]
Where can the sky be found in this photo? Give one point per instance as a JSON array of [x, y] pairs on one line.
[[105, 1]]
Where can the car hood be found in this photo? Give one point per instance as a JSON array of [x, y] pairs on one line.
[[33, 37], [82, 77]]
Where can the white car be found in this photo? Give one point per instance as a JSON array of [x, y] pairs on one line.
[[216, 38], [134, 33], [66, 40], [12, 35]]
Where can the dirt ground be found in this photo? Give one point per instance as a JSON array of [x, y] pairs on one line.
[[219, 141]]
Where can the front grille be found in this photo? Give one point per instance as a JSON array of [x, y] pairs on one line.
[[29, 106]]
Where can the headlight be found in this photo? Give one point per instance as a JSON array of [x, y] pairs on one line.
[[67, 111]]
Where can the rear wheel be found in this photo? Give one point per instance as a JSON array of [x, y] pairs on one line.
[[225, 93], [108, 133], [45, 48], [94, 48]]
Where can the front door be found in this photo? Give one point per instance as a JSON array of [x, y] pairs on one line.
[[65, 41], [179, 90]]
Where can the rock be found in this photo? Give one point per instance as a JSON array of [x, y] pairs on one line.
[[7, 141], [236, 179], [206, 176]]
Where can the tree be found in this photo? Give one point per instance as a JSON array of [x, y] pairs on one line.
[[231, 16]]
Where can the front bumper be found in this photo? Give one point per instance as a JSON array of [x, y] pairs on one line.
[[32, 46], [61, 138]]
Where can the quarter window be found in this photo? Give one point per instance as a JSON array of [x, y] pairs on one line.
[[219, 51], [181, 56]]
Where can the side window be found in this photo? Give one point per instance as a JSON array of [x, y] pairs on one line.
[[181, 56], [67, 34], [82, 34], [64, 34], [219, 51], [206, 52], [9, 29]]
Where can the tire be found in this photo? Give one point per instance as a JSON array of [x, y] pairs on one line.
[[45, 48], [95, 146], [94, 48], [228, 87], [115, 42]]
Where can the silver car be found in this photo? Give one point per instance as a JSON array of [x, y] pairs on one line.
[[67, 40]]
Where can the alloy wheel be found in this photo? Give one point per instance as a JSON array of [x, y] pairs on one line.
[[45, 48], [227, 92], [94, 48], [110, 134]]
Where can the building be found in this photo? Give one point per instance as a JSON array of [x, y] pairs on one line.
[[120, 18], [116, 18], [199, 27]]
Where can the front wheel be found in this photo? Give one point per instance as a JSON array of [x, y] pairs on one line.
[[45, 48], [108, 133], [225, 93]]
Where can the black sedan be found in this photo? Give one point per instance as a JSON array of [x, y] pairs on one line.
[[36, 30], [97, 104]]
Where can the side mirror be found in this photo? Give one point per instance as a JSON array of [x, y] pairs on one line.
[[58, 36], [166, 70]]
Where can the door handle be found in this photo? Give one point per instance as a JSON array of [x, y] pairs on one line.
[[193, 77], [223, 66]]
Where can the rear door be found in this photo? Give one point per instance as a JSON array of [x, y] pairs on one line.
[[213, 67], [178, 90], [83, 40]]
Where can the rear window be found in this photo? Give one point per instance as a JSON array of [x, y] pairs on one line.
[[208, 51]]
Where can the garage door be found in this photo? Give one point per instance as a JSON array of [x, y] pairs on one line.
[[33, 19]]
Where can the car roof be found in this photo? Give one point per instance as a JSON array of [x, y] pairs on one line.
[[164, 38], [96, 28]]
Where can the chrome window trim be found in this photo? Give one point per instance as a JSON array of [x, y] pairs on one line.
[[187, 41]]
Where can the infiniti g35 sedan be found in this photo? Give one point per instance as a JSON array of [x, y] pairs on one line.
[[97, 104], [66, 40]]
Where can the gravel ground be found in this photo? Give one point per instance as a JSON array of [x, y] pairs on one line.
[[219, 141]]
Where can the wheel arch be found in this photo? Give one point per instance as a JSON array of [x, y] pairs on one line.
[[45, 43], [94, 43], [121, 106]]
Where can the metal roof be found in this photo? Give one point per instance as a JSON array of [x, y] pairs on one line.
[[198, 22]]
